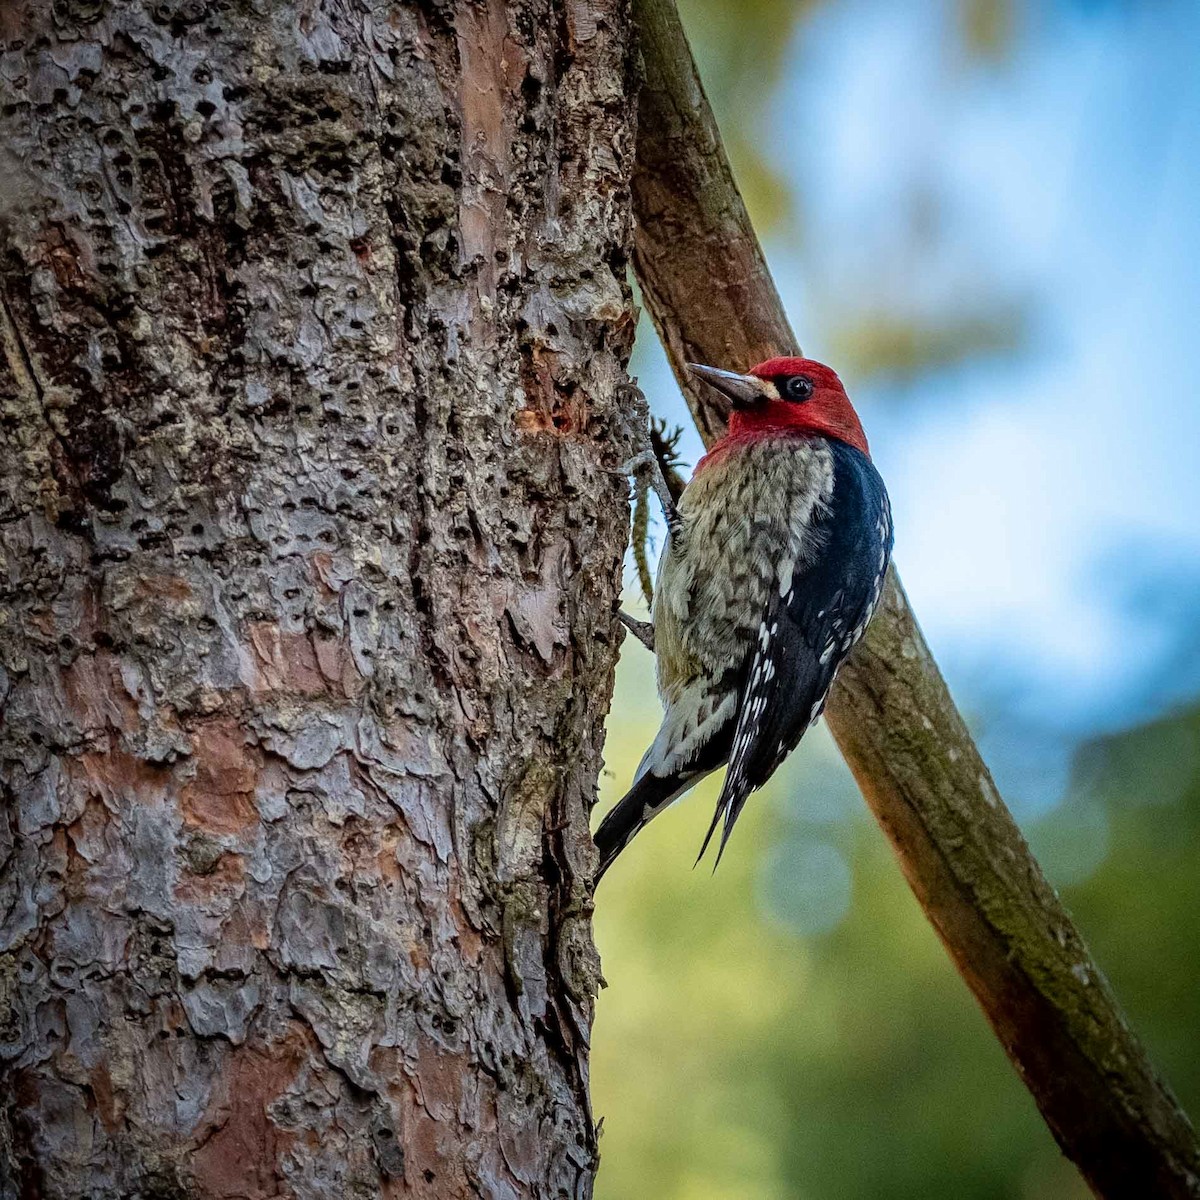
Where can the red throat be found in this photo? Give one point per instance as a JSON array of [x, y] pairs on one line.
[[828, 413]]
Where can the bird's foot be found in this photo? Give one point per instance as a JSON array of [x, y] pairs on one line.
[[643, 461]]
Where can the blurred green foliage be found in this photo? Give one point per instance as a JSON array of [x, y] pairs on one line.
[[988, 27], [739, 50], [886, 342], [755, 1043]]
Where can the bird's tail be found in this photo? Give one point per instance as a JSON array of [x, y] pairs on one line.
[[643, 802]]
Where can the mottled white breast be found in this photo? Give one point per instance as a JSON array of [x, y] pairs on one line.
[[747, 521]]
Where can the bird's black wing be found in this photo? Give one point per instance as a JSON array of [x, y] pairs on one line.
[[808, 630]]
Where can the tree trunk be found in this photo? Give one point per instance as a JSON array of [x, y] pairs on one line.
[[313, 315]]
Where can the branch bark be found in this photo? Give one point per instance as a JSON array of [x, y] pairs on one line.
[[708, 290], [314, 320]]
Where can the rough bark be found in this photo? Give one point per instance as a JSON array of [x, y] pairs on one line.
[[313, 315], [707, 287]]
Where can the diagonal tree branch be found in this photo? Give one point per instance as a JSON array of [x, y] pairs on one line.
[[707, 287]]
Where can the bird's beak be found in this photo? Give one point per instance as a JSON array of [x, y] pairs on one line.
[[743, 391]]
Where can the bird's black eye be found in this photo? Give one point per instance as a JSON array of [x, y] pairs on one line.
[[796, 387]]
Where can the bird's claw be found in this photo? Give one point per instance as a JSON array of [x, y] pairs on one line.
[[642, 630], [644, 460]]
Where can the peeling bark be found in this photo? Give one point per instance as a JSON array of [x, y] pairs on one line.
[[313, 315]]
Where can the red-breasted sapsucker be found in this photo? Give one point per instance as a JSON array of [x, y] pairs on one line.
[[774, 564]]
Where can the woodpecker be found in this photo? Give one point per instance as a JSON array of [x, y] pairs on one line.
[[773, 566]]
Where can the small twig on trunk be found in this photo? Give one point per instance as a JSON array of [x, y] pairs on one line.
[[664, 442], [640, 536]]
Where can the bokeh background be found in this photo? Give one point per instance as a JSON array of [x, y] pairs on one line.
[[987, 216]]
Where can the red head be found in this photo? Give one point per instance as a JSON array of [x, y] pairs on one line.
[[784, 394]]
